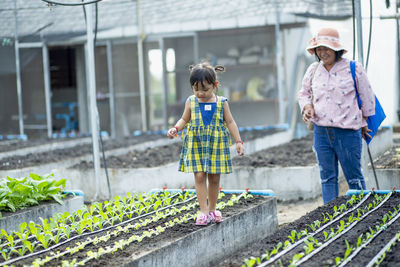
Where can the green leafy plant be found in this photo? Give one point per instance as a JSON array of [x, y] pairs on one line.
[[18, 193]]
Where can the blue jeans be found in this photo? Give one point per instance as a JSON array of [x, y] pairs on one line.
[[333, 145]]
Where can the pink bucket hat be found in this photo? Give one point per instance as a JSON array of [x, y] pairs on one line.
[[327, 37]]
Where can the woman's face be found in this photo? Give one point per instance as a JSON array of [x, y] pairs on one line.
[[326, 54]]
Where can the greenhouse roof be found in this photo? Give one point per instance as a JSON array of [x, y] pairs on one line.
[[118, 18]]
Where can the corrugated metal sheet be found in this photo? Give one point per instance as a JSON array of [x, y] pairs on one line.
[[35, 17]]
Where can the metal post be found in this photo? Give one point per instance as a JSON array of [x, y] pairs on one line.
[[292, 108], [357, 7], [18, 71], [396, 16], [47, 94], [278, 59], [196, 48], [165, 83], [92, 96], [398, 54], [141, 69], [111, 91]]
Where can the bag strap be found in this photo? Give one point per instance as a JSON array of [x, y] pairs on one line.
[[353, 74]]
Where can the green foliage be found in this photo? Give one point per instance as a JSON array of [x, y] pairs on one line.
[[18, 193]]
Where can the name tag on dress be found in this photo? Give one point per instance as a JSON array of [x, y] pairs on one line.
[[207, 107]]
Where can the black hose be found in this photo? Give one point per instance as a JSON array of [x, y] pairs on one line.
[[105, 166], [370, 34], [101, 139], [366, 67], [61, 3]]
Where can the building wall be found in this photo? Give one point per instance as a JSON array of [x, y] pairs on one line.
[[8, 92], [32, 91], [127, 90], [249, 82], [102, 88]]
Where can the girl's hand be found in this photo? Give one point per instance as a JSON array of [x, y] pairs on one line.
[[240, 148], [173, 132], [308, 112]]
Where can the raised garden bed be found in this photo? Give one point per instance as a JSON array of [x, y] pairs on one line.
[[11, 220], [140, 170], [142, 230], [349, 231], [387, 167], [295, 164], [137, 168], [31, 197]]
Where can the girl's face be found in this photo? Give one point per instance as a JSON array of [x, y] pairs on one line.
[[204, 93], [326, 54]]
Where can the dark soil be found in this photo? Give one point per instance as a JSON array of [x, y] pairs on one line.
[[10, 145], [35, 159], [326, 257], [150, 158], [123, 257], [298, 152]]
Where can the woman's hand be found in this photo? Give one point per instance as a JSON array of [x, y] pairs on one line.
[[308, 112], [365, 132], [240, 148]]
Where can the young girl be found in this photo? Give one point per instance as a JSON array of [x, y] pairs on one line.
[[205, 150]]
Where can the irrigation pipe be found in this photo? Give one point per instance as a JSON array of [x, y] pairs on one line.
[[383, 250], [74, 231], [383, 227], [2, 246], [307, 257], [88, 234], [288, 249]]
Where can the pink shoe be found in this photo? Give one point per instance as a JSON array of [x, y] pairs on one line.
[[203, 219], [215, 216]]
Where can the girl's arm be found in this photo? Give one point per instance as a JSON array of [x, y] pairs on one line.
[[233, 129], [180, 124]]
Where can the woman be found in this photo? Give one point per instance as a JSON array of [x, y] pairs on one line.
[[328, 100]]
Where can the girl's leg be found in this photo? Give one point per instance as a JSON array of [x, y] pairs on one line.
[[201, 190], [213, 190]]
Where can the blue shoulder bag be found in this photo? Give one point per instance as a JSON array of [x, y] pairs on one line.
[[373, 121]]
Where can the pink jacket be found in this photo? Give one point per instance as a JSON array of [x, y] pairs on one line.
[[335, 101]]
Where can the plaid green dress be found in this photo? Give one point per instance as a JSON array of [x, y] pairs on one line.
[[206, 148]]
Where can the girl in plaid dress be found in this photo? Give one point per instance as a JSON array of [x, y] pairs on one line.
[[205, 150]]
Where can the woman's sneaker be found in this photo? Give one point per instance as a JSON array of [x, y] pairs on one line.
[[203, 219], [215, 216]]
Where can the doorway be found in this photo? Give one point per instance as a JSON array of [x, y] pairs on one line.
[[64, 100]]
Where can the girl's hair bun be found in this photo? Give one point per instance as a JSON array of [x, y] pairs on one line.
[[219, 68]]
